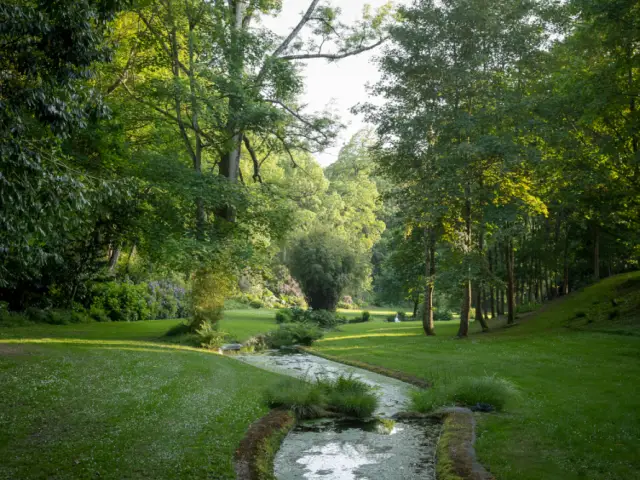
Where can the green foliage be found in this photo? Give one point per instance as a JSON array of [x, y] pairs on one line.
[[293, 334], [324, 264], [349, 396], [122, 302], [256, 304], [210, 336], [467, 392], [284, 315], [366, 316], [344, 395], [303, 399]]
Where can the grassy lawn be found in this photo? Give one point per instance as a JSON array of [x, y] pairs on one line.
[[106, 401], [578, 416], [240, 324]]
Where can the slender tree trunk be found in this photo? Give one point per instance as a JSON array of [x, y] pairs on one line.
[[416, 303], [430, 269], [229, 166], [510, 260], [596, 253], [113, 258], [491, 287], [463, 331], [479, 297]]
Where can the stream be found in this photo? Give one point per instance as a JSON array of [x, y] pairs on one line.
[[333, 449]]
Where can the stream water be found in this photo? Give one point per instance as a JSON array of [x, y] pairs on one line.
[[329, 449]]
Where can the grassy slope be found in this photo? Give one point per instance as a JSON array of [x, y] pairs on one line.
[[578, 416], [106, 401]]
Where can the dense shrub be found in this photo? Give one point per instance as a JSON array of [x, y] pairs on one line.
[[284, 315], [293, 334], [210, 337], [366, 316], [99, 314], [324, 264], [123, 302], [167, 300], [467, 391], [442, 315], [257, 343], [256, 304]]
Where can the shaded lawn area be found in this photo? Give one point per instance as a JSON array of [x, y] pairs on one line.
[[240, 324], [102, 401], [578, 415]]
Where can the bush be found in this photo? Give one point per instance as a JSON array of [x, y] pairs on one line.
[[293, 334], [366, 316], [324, 318], [256, 343], [284, 316], [256, 304], [345, 395], [442, 315], [99, 314], [167, 299], [123, 302], [324, 264], [467, 391], [37, 315], [210, 337], [12, 319]]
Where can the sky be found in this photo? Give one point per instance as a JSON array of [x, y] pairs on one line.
[[340, 85]]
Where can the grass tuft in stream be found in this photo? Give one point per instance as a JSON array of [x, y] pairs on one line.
[[343, 395], [468, 392]]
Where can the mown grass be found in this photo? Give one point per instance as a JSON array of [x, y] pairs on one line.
[[110, 401], [577, 415], [239, 324]]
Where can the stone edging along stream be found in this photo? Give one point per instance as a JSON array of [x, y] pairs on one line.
[[254, 457]]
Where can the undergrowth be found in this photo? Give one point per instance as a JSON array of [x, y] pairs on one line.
[[468, 392]]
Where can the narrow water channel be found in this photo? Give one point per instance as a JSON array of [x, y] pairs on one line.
[[329, 449]]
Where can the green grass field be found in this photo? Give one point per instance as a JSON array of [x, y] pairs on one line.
[[580, 396], [115, 401], [110, 401]]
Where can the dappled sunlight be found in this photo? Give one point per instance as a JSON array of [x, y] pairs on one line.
[[108, 344]]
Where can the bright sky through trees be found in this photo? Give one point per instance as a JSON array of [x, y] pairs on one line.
[[341, 85]]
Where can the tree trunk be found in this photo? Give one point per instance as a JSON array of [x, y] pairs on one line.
[[465, 310], [463, 331], [479, 297], [596, 253], [430, 270], [113, 258], [509, 258], [416, 302], [491, 287], [229, 166]]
